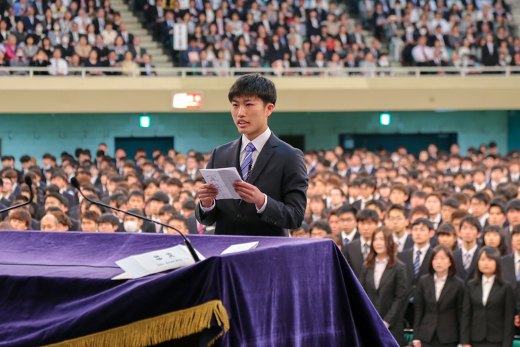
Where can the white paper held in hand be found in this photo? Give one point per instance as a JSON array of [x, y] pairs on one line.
[[137, 266], [223, 180], [241, 247]]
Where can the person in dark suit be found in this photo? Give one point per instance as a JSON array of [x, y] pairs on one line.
[[348, 224], [275, 181], [356, 252], [511, 262], [488, 310], [416, 260], [30, 21], [466, 257], [489, 52], [384, 280], [438, 302], [397, 221]]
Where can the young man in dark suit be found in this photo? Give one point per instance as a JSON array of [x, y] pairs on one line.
[[397, 221], [416, 260], [466, 257], [356, 252], [348, 224], [275, 181]]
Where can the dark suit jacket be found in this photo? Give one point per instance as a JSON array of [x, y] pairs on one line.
[[280, 173], [443, 316], [192, 225], [490, 323], [407, 258], [390, 298], [344, 241], [352, 252], [508, 264], [27, 23], [408, 244], [489, 59], [461, 273]]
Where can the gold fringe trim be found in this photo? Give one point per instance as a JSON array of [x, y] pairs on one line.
[[151, 331]]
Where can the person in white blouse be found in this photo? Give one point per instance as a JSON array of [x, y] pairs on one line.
[[438, 302], [384, 280], [58, 66], [489, 305]]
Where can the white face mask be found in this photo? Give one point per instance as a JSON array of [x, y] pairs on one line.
[[39, 30], [57, 28], [409, 30], [131, 226], [423, 32], [65, 40]]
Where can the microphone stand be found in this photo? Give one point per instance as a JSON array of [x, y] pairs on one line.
[[75, 183]]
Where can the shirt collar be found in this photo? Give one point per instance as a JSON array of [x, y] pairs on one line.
[[517, 258], [259, 142], [423, 250], [438, 280], [401, 240], [384, 261], [490, 280], [471, 251], [437, 219]]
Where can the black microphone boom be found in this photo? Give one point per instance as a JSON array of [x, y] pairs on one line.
[[28, 181], [75, 183]]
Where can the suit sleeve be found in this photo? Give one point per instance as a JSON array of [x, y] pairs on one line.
[[210, 217], [362, 278], [460, 303], [465, 327], [289, 212], [509, 316], [419, 303], [394, 313]]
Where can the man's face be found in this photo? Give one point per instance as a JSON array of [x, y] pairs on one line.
[[317, 233], [468, 232], [178, 225], [496, 217], [421, 234], [478, 208], [433, 205], [250, 115], [397, 197], [302, 234], [155, 206], [135, 202], [88, 225], [53, 202], [396, 221], [446, 212], [513, 216], [366, 228], [106, 228], [347, 222], [18, 224], [48, 224]]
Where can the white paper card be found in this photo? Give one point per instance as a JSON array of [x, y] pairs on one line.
[[223, 180], [145, 264], [241, 247]]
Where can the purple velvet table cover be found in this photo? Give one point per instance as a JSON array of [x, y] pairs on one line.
[[286, 292]]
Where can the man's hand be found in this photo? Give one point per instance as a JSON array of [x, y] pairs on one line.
[[517, 321], [207, 194], [249, 193]]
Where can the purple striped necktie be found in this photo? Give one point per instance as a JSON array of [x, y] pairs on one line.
[[247, 164]]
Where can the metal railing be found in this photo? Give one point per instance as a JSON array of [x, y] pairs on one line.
[[189, 72]]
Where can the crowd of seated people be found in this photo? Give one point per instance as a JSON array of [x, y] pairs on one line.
[[297, 33], [416, 230], [65, 34]]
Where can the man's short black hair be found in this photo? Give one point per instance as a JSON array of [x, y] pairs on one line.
[[366, 215], [304, 226], [179, 217], [135, 211], [160, 196], [321, 224], [482, 197], [25, 159], [423, 221], [189, 204], [59, 197], [498, 203], [346, 208], [473, 221], [254, 85], [108, 218], [452, 202], [513, 205]]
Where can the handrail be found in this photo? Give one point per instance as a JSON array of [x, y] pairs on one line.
[[191, 72]]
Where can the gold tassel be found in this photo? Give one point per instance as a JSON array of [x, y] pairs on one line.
[[152, 331]]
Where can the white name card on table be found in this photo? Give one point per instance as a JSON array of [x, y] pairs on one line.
[[137, 266], [223, 180], [241, 247]]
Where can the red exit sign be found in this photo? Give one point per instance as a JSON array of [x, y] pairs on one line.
[[187, 100]]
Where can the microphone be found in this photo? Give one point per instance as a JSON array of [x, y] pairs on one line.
[[75, 183], [28, 181]]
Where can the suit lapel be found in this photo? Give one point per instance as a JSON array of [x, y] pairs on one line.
[[445, 289], [492, 292], [386, 275], [263, 158]]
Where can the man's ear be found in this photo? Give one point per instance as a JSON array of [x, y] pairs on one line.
[[270, 108]]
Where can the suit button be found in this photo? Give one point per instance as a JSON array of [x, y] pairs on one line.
[[239, 215]]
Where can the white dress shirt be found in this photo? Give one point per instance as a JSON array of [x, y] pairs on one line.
[[439, 285], [349, 237], [487, 284], [378, 270], [259, 144], [479, 187], [400, 241], [423, 253], [435, 221]]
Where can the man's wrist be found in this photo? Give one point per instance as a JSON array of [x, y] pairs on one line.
[[261, 202]]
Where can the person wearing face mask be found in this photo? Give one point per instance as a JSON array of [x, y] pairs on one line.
[[19, 61], [66, 49], [133, 224], [55, 35]]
